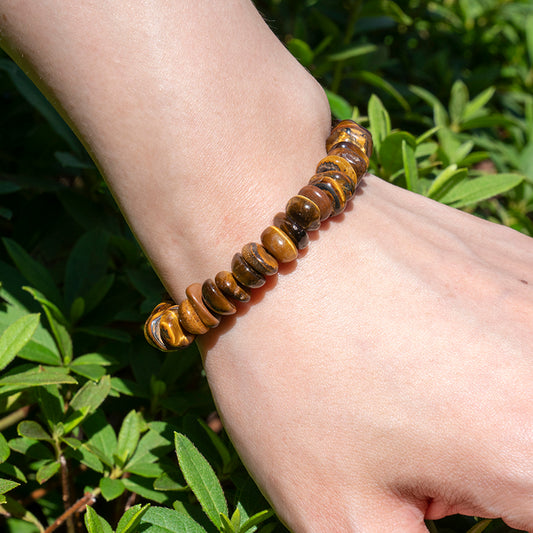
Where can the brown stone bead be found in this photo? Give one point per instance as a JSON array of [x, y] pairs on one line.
[[298, 235], [245, 274], [357, 162], [172, 334], [279, 244], [346, 183], [334, 188], [194, 294], [189, 318], [348, 130], [352, 148], [333, 162], [259, 259], [151, 326], [304, 212], [215, 300], [320, 197], [228, 285]]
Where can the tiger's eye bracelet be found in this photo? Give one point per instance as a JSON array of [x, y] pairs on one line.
[[172, 327]]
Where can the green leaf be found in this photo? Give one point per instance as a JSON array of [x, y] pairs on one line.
[[6, 485], [256, 519], [15, 337], [34, 377], [529, 38], [86, 264], [38, 353], [201, 479], [47, 471], [458, 101], [33, 430], [95, 523], [163, 520], [340, 108], [33, 271], [390, 152], [107, 333], [480, 526], [477, 189], [131, 518], [301, 51], [77, 309], [47, 304], [144, 487], [480, 101], [85, 456], [166, 483], [411, 170], [353, 51], [381, 83], [91, 395], [446, 180], [96, 292], [128, 437], [152, 446], [218, 444], [380, 125], [111, 488], [4, 449], [101, 435], [94, 359], [236, 519], [92, 372], [227, 526]]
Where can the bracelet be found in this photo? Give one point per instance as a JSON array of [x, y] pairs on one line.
[[172, 327]]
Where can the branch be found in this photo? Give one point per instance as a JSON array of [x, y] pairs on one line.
[[88, 499]]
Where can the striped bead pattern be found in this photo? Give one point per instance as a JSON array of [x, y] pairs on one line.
[[172, 327]]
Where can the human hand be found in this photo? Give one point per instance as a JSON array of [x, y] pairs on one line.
[[387, 378]]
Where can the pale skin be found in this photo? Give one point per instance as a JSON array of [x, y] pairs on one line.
[[383, 379]]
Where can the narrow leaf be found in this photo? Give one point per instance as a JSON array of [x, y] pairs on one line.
[[480, 526], [480, 101], [95, 523], [477, 189], [128, 436], [36, 274], [34, 377], [411, 170], [446, 180], [91, 395], [131, 518], [15, 338], [340, 107], [47, 471], [353, 51], [163, 520], [458, 101], [379, 121], [529, 38], [38, 353], [227, 526], [201, 479], [6, 485], [4, 449], [256, 519]]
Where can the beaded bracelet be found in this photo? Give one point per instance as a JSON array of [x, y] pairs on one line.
[[172, 327]]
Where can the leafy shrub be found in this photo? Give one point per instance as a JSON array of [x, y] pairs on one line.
[[90, 415]]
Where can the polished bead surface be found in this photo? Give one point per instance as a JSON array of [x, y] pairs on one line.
[[348, 130], [245, 274], [347, 184], [172, 334], [279, 244], [189, 319], [320, 197], [333, 162], [304, 212], [334, 188], [194, 294], [356, 151], [215, 300], [359, 165], [298, 235], [151, 326], [259, 259], [228, 285]]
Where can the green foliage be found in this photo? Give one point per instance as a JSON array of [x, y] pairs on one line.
[[86, 406]]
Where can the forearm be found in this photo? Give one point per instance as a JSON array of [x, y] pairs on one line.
[[200, 120]]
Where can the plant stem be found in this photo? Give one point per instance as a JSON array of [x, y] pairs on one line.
[[88, 499]]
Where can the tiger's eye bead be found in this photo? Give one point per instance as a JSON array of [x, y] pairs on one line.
[[348, 130], [259, 259], [298, 235], [357, 162], [354, 149], [333, 162], [189, 318], [320, 197], [215, 300], [228, 285], [346, 183], [279, 244], [194, 294], [172, 334], [304, 212], [245, 274], [151, 326], [334, 188]]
